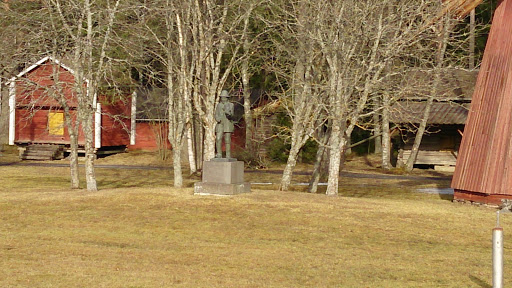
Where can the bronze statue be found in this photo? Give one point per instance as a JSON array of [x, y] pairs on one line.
[[224, 117]]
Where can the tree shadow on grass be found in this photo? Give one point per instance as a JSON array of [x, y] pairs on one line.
[[479, 282], [119, 178], [8, 163], [141, 178], [368, 162]]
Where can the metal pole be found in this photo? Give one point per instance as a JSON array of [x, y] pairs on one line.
[[497, 257]]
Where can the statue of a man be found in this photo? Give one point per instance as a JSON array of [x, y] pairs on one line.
[[224, 117]]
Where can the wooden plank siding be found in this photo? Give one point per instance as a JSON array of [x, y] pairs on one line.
[[426, 157], [36, 87], [147, 136], [115, 124], [32, 127], [35, 105], [484, 165]]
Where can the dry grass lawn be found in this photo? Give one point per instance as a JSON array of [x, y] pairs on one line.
[[137, 231]]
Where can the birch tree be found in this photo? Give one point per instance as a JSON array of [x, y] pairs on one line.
[[32, 31], [88, 25], [249, 39], [358, 45], [438, 63], [386, 137], [168, 41], [214, 28], [71, 121], [297, 65]]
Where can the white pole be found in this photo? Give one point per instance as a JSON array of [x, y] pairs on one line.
[[12, 111], [97, 126], [497, 257], [133, 123]]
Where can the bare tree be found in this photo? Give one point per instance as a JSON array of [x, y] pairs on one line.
[[33, 27], [71, 122], [195, 42], [439, 62], [249, 41], [213, 27], [386, 136], [297, 65], [359, 44], [167, 41], [88, 26]]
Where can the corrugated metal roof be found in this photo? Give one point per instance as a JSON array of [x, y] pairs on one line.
[[484, 164], [441, 113]]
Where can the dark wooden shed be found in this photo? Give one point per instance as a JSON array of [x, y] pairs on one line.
[[484, 166], [439, 147]]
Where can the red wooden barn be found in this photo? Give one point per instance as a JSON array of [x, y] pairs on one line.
[[484, 166], [36, 117]]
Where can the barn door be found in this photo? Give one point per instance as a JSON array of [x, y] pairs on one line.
[[56, 123]]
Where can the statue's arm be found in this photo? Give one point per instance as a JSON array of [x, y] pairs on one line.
[[231, 109]]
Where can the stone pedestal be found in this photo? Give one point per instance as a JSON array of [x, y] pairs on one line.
[[222, 176]]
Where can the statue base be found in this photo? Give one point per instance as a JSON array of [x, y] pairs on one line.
[[222, 176]]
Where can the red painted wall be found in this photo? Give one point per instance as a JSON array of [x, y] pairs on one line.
[[146, 136], [34, 101], [32, 127], [37, 87], [115, 124], [147, 133]]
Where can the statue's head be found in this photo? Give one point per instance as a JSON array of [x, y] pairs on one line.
[[224, 96]]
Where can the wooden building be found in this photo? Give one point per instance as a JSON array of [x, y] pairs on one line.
[[484, 166], [439, 146], [149, 118], [149, 121], [36, 117]]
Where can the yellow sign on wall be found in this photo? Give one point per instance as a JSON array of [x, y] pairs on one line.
[[56, 123]]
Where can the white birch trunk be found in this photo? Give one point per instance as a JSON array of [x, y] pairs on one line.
[[386, 139], [419, 135], [89, 104], [249, 145], [430, 100], [472, 38], [73, 162], [73, 145], [59, 96], [377, 130], [191, 149], [288, 169], [90, 175], [318, 168], [247, 106], [336, 146], [176, 163]]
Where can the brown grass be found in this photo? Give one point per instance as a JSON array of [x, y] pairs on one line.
[[138, 232]]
